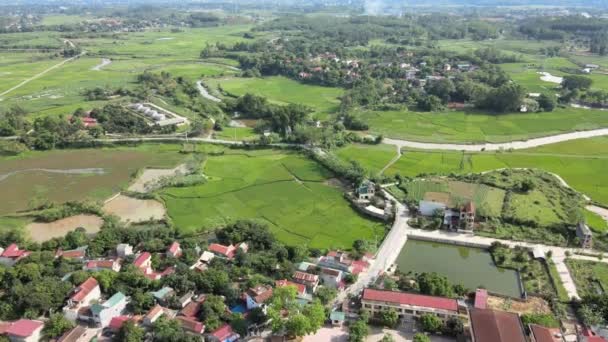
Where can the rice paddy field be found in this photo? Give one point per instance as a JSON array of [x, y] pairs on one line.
[[371, 157], [287, 191], [281, 90], [69, 175], [471, 127]]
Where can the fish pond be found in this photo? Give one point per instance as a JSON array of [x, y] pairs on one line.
[[471, 267]]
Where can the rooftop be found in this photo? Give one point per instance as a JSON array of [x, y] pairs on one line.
[[23, 327], [496, 326], [303, 276], [142, 258], [404, 298], [543, 334], [481, 298], [84, 289], [301, 288]]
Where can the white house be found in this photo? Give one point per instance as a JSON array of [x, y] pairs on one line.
[[331, 277], [84, 295], [124, 250], [113, 307]]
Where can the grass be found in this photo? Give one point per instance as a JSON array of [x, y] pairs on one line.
[[33, 188], [559, 286], [595, 222], [281, 90], [371, 157], [533, 207], [465, 127], [580, 162], [589, 277], [236, 133], [285, 190]]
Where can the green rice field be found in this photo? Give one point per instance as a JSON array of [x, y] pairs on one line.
[[285, 190]]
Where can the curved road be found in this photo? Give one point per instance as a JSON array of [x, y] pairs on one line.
[[516, 145]]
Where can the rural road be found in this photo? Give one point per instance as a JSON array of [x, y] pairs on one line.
[[205, 93], [41, 74], [515, 145]]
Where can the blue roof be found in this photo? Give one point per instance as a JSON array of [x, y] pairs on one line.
[[238, 309]]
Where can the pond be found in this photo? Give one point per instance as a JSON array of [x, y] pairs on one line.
[[471, 267]]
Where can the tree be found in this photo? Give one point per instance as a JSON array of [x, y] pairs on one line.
[[357, 332], [130, 332], [430, 103], [453, 327], [431, 323], [315, 313], [545, 320], [420, 337], [442, 88], [387, 338], [589, 315], [239, 324], [389, 318], [170, 330], [507, 97], [434, 285], [56, 326], [547, 103], [326, 294], [297, 325], [572, 82]]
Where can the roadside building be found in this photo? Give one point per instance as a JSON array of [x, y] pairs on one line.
[[337, 260], [332, 278], [366, 190], [12, 254], [117, 322], [311, 281], [461, 218], [410, 305], [337, 318], [103, 313], [496, 326], [583, 233], [24, 330]]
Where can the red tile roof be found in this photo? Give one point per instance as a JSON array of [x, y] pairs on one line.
[[174, 248], [154, 312], [227, 251], [404, 298], [117, 322], [23, 328], [13, 252], [260, 294], [542, 334], [280, 283], [481, 298], [496, 326], [142, 259], [191, 309], [191, 324], [84, 289], [307, 277], [223, 333], [100, 264]]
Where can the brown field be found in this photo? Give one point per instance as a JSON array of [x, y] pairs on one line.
[[135, 210], [532, 305], [40, 232]]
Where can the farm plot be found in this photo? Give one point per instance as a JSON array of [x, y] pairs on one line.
[[371, 157], [282, 189], [590, 277], [62, 175]]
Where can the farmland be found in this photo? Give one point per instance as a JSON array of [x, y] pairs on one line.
[[590, 277], [474, 127], [371, 157], [282, 90], [72, 175], [287, 191]]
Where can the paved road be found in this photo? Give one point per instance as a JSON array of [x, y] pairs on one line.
[[516, 145]]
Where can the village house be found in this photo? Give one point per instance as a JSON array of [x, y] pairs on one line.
[[583, 233], [98, 265], [24, 330], [332, 278], [123, 250], [311, 281], [542, 334], [12, 254], [412, 305], [74, 254], [300, 288], [174, 251], [257, 296], [117, 322], [84, 295], [154, 314], [76, 334], [186, 299], [191, 325], [229, 251], [366, 190], [454, 218], [162, 296], [203, 261], [144, 263], [496, 326], [337, 318], [225, 334], [337, 260], [103, 313]]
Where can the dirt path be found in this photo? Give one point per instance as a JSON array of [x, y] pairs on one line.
[[41, 74], [104, 62], [515, 145], [392, 161], [135, 210], [40, 232], [205, 93]]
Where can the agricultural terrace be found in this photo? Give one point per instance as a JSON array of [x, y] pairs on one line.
[[590, 277], [58, 176], [281, 90], [289, 192], [475, 127], [581, 163]]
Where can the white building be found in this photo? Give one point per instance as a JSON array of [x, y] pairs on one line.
[[113, 307]]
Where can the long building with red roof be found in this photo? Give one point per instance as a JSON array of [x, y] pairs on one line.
[[411, 304]]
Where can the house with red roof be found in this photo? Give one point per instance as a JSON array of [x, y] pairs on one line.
[[25, 330], [539, 333], [154, 314], [311, 281], [225, 334], [588, 335], [12, 254], [174, 251], [301, 289], [192, 325], [117, 322], [144, 263], [75, 254], [411, 304], [496, 326], [481, 299], [229, 251], [143, 260], [98, 265], [256, 297], [82, 296]]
